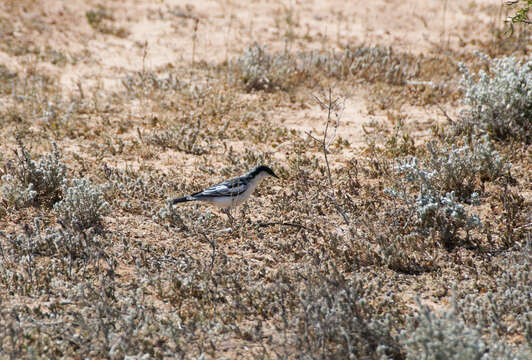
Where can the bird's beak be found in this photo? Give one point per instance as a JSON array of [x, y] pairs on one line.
[[275, 176]]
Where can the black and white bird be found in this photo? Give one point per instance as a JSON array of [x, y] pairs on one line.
[[230, 193]]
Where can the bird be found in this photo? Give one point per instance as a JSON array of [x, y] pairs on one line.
[[230, 193]]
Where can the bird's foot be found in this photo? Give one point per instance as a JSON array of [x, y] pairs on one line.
[[229, 216]]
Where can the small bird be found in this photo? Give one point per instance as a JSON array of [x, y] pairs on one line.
[[230, 193]]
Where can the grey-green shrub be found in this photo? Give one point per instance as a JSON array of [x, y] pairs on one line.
[[16, 194], [444, 213], [444, 181], [260, 70], [168, 214], [337, 321], [506, 308], [455, 169], [499, 102], [39, 241], [370, 63], [441, 337], [82, 206], [429, 335], [34, 182]]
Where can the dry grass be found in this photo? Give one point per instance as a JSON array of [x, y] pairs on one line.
[[333, 261]]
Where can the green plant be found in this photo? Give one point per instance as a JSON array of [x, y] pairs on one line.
[[101, 18], [521, 14]]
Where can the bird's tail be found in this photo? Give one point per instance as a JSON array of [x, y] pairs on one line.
[[182, 199]]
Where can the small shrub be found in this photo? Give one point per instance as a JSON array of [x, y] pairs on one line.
[[34, 182], [486, 161], [260, 70], [429, 336], [504, 309], [39, 241], [337, 322], [168, 214], [96, 16], [374, 64], [101, 19], [456, 169], [83, 205], [185, 139], [16, 195], [445, 337], [8, 80], [443, 182], [499, 102], [445, 214]]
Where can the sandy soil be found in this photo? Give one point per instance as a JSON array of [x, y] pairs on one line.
[[163, 34]]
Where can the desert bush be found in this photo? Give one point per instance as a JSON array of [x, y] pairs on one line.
[[445, 214], [82, 205], [374, 64], [8, 79], [504, 308], [105, 322], [259, 70], [168, 214], [499, 101], [186, 138], [337, 322], [39, 259], [446, 336], [15, 195], [61, 242], [446, 180], [101, 19], [455, 169], [147, 83], [37, 100], [30, 182]]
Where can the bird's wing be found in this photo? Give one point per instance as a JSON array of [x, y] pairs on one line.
[[233, 187]]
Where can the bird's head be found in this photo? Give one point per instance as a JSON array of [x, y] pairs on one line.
[[263, 170]]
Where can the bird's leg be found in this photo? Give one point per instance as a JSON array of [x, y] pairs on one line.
[[243, 212], [227, 211]]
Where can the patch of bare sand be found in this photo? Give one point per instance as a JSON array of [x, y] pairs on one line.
[[354, 117], [225, 27], [165, 33]]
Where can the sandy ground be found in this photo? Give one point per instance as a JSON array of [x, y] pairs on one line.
[[170, 32]]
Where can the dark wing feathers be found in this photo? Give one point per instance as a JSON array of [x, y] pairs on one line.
[[232, 187]]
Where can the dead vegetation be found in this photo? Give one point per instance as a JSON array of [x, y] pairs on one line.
[[398, 250]]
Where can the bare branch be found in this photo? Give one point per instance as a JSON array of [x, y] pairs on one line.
[[330, 105], [213, 245], [446, 115]]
